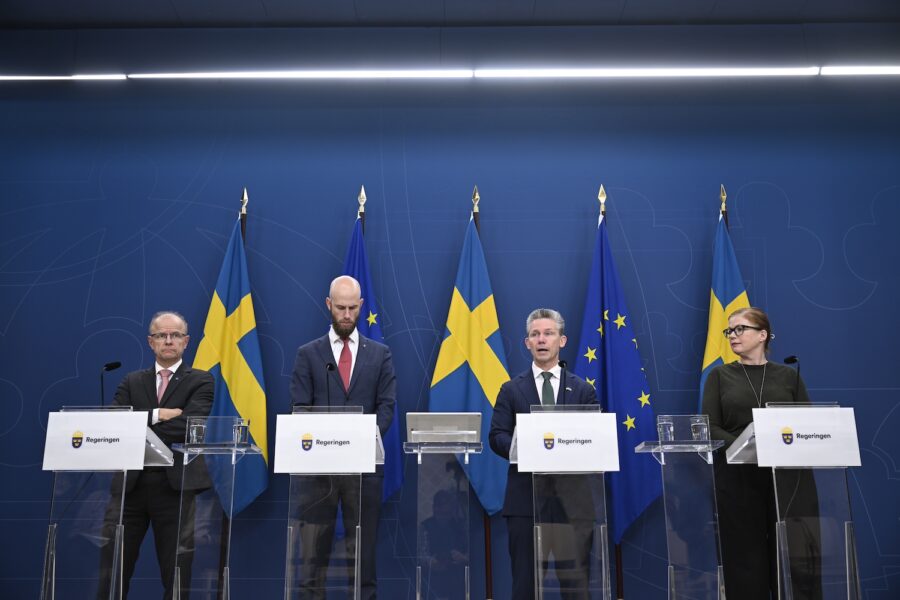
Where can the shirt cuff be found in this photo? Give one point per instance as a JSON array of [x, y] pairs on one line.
[[154, 419]]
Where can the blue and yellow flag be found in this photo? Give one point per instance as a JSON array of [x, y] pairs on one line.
[[727, 294], [357, 266], [471, 366], [230, 351], [608, 359]]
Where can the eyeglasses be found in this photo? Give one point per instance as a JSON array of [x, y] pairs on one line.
[[175, 336], [739, 330]]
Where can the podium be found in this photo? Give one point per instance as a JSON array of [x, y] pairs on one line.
[[808, 447], [213, 450], [685, 455], [90, 450], [439, 441], [325, 450], [568, 448]]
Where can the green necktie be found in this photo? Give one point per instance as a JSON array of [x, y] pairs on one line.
[[547, 398]]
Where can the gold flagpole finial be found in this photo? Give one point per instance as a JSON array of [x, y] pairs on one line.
[[244, 200], [476, 198], [362, 199], [722, 196], [601, 196]]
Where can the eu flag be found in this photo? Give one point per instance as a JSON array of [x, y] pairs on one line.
[[727, 294], [608, 359], [471, 366], [230, 351], [357, 266]]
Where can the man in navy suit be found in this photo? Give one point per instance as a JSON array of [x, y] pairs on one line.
[[364, 377], [169, 392], [547, 384]]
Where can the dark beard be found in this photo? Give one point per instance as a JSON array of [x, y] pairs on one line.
[[342, 331]]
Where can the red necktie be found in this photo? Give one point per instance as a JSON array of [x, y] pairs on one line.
[[344, 364], [164, 375]]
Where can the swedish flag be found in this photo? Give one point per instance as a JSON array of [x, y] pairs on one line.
[[230, 351], [727, 294], [356, 265], [471, 366], [608, 359]]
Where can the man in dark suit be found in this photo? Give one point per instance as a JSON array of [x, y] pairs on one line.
[[169, 393], [547, 384], [364, 377]]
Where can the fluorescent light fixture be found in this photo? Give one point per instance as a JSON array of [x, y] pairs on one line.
[[862, 70], [317, 74], [487, 73], [645, 72], [96, 77]]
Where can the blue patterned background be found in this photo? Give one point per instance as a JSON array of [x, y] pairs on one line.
[[117, 200]]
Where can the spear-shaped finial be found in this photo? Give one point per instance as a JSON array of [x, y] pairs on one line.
[[362, 199], [476, 198], [601, 196], [722, 197], [244, 200]]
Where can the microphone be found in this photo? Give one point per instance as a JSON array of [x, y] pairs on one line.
[[562, 382], [329, 367], [791, 360], [110, 366]]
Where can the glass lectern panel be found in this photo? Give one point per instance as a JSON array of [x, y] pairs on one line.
[[816, 546], [570, 530], [83, 551], [323, 533], [685, 454], [442, 525], [571, 556], [214, 452]]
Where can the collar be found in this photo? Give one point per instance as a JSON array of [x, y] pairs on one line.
[[536, 371], [333, 337], [158, 367]]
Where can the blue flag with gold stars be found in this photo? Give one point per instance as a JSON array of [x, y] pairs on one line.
[[608, 359], [471, 366], [357, 266]]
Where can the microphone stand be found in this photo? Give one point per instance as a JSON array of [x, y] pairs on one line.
[[562, 381]]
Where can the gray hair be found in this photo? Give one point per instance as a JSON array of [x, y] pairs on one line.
[[163, 313], [545, 313]]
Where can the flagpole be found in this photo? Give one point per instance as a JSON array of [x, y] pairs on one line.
[[722, 197], [620, 572], [224, 540], [243, 215], [361, 212], [488, 562]]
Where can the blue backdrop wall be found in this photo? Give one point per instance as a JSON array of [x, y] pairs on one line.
[[117, 201]]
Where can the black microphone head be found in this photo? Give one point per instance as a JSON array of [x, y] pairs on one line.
[[112, 366], [790, 360], [329, 366], [563, 364]]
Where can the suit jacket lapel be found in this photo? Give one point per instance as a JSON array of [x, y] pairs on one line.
[[149, 378], [363, 353], [529, 391]]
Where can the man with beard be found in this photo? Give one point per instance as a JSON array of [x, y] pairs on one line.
[[364, 377]]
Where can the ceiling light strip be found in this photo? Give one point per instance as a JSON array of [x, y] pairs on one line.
[[317, 74], [861, 70], [585, 73], [93, 77], [645, 72]]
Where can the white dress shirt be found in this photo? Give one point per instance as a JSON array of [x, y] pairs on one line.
[[536, 371], [155, 419], [337, 344]]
